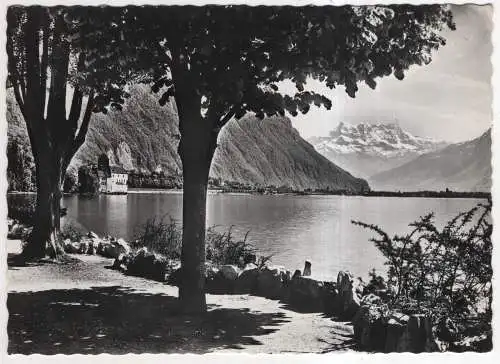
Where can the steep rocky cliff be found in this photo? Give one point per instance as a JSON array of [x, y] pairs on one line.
[[144, 137]]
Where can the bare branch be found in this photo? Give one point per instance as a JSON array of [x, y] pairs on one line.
[[19, 98], [44, 62], [76, 108], [84, 127]]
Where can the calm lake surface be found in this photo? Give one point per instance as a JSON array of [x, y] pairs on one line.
[[292, 228]]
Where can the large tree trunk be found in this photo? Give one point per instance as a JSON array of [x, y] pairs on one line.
[[44, 239], [196, 149]]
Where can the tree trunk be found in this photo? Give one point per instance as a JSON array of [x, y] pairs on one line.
[[44, 239], [196, 149]]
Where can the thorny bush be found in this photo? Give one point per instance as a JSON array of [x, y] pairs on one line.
[[444, 272]]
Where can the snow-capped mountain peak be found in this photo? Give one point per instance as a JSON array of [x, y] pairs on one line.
[[368, 148], [383, 139]]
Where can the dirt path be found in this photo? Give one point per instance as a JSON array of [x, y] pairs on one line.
[[83, 307]]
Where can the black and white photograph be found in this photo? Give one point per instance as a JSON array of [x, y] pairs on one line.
[[229, 178]]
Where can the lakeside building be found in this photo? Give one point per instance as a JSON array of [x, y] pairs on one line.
[[113, 181]]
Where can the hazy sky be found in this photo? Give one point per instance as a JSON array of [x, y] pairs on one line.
[[449, 99]]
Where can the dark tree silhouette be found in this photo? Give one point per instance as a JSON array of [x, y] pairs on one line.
[[103, 164], [55, 53], [222, 62]]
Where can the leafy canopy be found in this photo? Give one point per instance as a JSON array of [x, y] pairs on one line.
[[233, 58]]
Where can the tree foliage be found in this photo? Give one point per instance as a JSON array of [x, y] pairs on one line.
[[235, 56]]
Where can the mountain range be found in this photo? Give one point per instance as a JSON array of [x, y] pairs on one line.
[[144, 137], [366, 149], [462, 166]]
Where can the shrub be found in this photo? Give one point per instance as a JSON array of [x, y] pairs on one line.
[[444, 272], [160, 236], [71, 231], [22, 208], [165, 237], [222, 248]]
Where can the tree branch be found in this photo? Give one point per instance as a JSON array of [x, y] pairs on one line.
[[19, 98], [76, 108], [44, 62], [84, 127], [31, 45], [229, 115], [59, 62]]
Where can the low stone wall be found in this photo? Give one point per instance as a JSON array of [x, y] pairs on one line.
[[375, 328]]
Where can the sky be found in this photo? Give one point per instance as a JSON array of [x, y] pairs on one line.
[[449, 99]]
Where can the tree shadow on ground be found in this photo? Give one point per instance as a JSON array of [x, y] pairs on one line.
[[16, 260], [341, 336], [119, 320]]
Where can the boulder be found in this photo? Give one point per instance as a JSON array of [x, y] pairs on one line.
[[16, 232], [174, 277], [250, 258], [70, 247], [349, 297], [370, 299], [397, 337], [306, 294], [120, 263], [409, 334], [83, 247], [219, 284], [272, 281], [247, 279], [92, 235], [148, 265], [229, 271], [113, 248], [307, 269], [123, 245], [91, 249], [370, 329]]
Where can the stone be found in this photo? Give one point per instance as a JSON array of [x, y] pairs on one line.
[[211, 271], [247, 280], [349, 299], [306, 294], [17, 232], [174, 278], [91, 249], [297, 273], [148, 265], [447, 330], [92, 235], [83, 248], [250, 258], [120, 263], [229, 271], [123, 246], [219, 284], [270, 282], [370, 329], [370, 299], [307, 269], [70, 247]]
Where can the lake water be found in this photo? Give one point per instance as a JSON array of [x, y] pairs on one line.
[[292, 228]]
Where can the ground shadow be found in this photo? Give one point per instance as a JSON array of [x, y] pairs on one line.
[[118, 320], [16, 260], [341, 336]]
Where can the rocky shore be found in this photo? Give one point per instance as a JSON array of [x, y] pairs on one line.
[[376, 328]]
